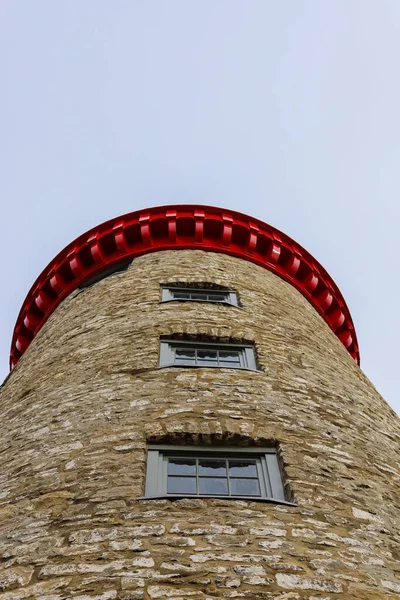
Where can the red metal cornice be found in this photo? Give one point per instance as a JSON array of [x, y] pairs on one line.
[[181, 227]]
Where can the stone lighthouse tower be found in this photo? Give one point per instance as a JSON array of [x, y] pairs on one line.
[[186, 419]]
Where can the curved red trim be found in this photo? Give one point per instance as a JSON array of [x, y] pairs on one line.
[[181, 227]]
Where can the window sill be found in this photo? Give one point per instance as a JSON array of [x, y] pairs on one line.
[[202, 496], [181, 300], [200, 367]]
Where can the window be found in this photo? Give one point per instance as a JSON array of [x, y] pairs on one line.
[[193, 294], [177, 472], [198, 354], [117, 268]]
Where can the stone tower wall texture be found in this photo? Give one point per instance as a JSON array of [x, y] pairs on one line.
[[88, 396]]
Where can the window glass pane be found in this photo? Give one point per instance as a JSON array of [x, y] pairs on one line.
[[207, 358], [184, 356], [245, 487], [229, 365], [217, 297], [181, 466], [214, 468], [207, 363], [229, 356], [216, 487], [181, 485], [181, 295], [184, 362], [242, 469], [198, 296], [207, 354]]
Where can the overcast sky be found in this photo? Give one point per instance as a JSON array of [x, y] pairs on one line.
[[287, 110]]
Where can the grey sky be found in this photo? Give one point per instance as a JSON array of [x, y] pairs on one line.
[[285, 110]]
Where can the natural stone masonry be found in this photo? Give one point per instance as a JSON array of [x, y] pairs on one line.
[[87, 396]]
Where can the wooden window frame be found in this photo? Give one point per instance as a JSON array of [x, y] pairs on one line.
[[266, 459], [246, 352], [167, 295]]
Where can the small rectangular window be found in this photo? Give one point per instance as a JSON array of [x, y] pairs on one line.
[[251, 473], [117, 268], [198, 354], [194, 294]]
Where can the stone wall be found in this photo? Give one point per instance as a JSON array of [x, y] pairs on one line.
[[87, 396]]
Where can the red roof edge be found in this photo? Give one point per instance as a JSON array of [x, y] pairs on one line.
[[182, 227]]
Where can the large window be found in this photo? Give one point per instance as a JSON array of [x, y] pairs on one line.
[[177, 472], [199, 354], [197, 294]]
